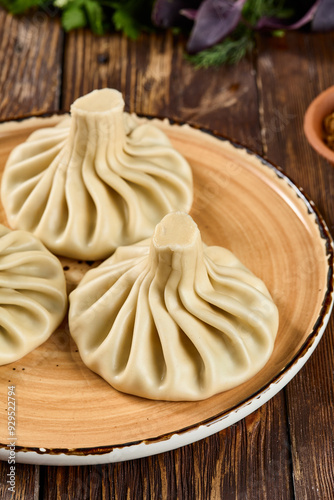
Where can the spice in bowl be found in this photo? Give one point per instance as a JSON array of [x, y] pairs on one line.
[[328, 125]]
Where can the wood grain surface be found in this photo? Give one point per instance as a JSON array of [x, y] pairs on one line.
[[285, 449], [31, 56]]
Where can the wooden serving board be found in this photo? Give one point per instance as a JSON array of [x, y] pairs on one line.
[[241, 203]]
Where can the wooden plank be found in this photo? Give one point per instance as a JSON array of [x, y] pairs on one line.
[[26, 482], [296, 69], [71, 482], [252, 458], [155, 79], [30, 61], [257, 465]]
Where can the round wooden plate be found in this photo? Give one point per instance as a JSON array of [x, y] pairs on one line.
[[66, 414]]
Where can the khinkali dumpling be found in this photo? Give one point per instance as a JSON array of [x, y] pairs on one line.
[[98, 180], [170, 318], [33, 299]]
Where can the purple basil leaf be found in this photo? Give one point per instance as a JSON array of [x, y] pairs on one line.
[[166, 13], [274, 23], [215, 20], [324, 17], [189, 13]]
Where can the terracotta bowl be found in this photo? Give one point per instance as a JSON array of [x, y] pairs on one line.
[[322, 106]]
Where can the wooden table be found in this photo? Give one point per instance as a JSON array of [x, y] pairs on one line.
[[286, 448]]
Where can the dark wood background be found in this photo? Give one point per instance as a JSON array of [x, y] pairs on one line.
[[284, 450]]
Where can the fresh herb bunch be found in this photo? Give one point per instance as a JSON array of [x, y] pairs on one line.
[[129, 16], [224, 30], [230, 51], [20, 6], [234, 47], [220, 31]]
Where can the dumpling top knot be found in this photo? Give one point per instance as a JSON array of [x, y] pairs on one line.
[[176, 230], [99, 102], [99, 179]]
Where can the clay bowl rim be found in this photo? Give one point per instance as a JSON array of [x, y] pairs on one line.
[[313, 122]]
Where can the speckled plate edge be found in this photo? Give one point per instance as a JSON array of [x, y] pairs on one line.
[[201, 430]]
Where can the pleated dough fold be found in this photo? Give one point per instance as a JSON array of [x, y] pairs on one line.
[[33, 299], [172, 319], [98, 180]]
